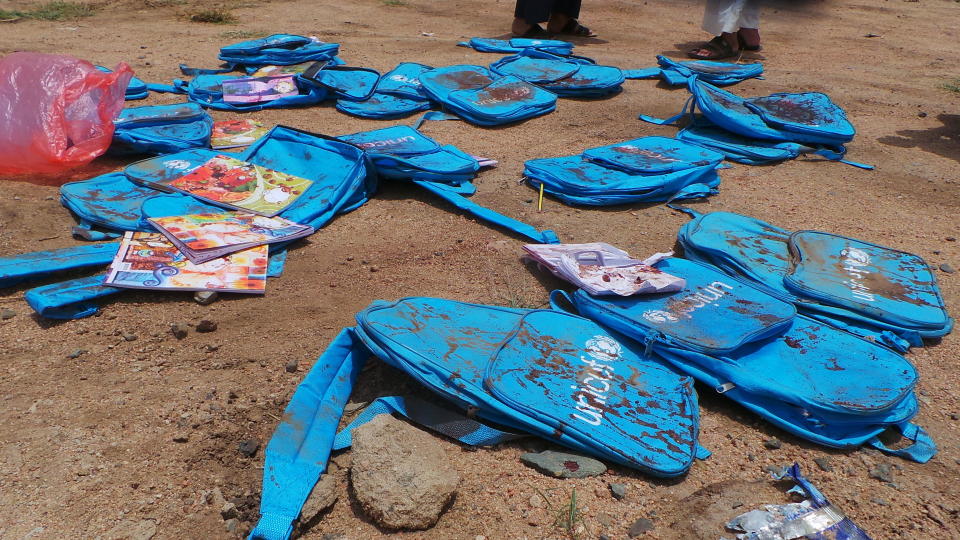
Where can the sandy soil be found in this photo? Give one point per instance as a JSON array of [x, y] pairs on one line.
[[87, 445]]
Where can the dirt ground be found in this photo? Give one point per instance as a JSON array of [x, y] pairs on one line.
[[89, 445]]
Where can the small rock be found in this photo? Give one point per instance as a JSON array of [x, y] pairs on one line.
[[323, 496], [129, 337], [751, 457], [6, 314], [882, 472], [772, 444], [181, 437], [206, 326], [374, 269], [401, 475], [232, 525], [205, 298], [229, 511], [955, 416], [216, 498], [77, 353], [922, 114], [291, 366], [619, 491], [878, 500], [564, 465], [179, 331], [639, 527], [603, 537], [536, 501], [824, 464], [871, 35], [249, 447], [334, 536], [945, 267], [354, 406], [775, 470], [48, 198], [951, 239]]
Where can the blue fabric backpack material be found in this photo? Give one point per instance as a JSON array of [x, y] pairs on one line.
[[564, 76], [207, 90], [40, 264], [877, 292], [717, 73], [648, 169], [346, 82], [481, 97], [137, 89], [278, 50], [807, 377], [515, 45], [402, 152], [161, 129], [544, 372], [110, 201], [739, 148], [398, 93]]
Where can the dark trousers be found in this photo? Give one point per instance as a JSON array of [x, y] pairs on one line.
[[538, 11]]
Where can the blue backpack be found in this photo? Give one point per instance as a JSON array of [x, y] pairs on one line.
[[278, 50], [566, 76], [515, 45], [648, 169], [207, 90], [402, 152], [479, 96], [398, 93], [161, 129], [343, 180], [136, 89], [873, 291], [717, 73], [809, 378]]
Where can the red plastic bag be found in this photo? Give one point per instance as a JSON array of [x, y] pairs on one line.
[[56, 111]]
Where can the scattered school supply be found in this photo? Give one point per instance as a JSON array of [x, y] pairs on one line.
[[566, 76], [680, 73], [515, 45], [233, 183], [600, 268], [203, 237], [479, 96], [236, 133], [150, 261], [161, 129], [258, 89]]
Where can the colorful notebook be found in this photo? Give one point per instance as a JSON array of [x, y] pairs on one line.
[[258, 89], [204, 237], [270, 71], [236, 133], [230, 182], [150, 261]]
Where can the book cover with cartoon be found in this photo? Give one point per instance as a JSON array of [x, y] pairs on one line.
[[233, 183], [236, 133], [150, 261]]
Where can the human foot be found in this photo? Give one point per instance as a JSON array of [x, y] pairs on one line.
[[522, 28], [723, 46], [749, 39]]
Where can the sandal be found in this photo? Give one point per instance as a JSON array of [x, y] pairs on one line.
[[574, 28], [535, 31], [717, 48], [745, 47]]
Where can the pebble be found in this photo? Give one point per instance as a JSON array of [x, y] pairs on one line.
[[129, 337], [374, 269], [619, 491], [922, 114], [563, 465], [229, 511], [205, 298], [881, 502], [773, 444], [206, 326], [179, 331], [291, 366], [249, 447], [951, 239], [181, 437], [536, 501], [824, 464], [334, 536], [77, 353], [947, 268], [7, 314], [882, 472], [354, 406], [639, 527], [232, 525]]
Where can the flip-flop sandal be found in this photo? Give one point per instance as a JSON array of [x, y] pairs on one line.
[[574, 28], [745, 47], [718, 49], [535, 31]]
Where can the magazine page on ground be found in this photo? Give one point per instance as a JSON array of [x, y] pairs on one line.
[[258, 89], [150, 261], [236, 133], [230, 182], [207, 236]]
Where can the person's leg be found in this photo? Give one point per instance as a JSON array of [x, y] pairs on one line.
[[563, 19], [720, 18], [749, 26], [528, 13]]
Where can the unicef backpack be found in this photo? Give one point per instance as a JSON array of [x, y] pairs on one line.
[[515, 45], [483, 98], [717, 73], [566, 76], [278, 50], [648, 169], [877, 292], [806, 377], [398, 93], [161, 129]]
